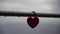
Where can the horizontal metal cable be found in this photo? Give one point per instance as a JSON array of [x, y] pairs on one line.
[[27, 14]]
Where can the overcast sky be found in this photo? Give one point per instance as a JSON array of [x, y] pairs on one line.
[[18, 25], [31, 5]]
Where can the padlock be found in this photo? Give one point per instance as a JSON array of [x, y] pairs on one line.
[[33, 22]]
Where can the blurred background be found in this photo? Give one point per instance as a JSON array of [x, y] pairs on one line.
[[18, 25]]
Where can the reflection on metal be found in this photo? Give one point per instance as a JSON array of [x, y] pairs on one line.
[[27, 14]]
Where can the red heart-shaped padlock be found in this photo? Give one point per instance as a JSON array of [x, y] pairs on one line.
[[32, 22]]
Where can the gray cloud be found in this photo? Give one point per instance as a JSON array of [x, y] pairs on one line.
[[56, 6], [15, 25], [30, 5]]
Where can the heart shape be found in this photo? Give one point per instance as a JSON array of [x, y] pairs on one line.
[[32, 22]]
